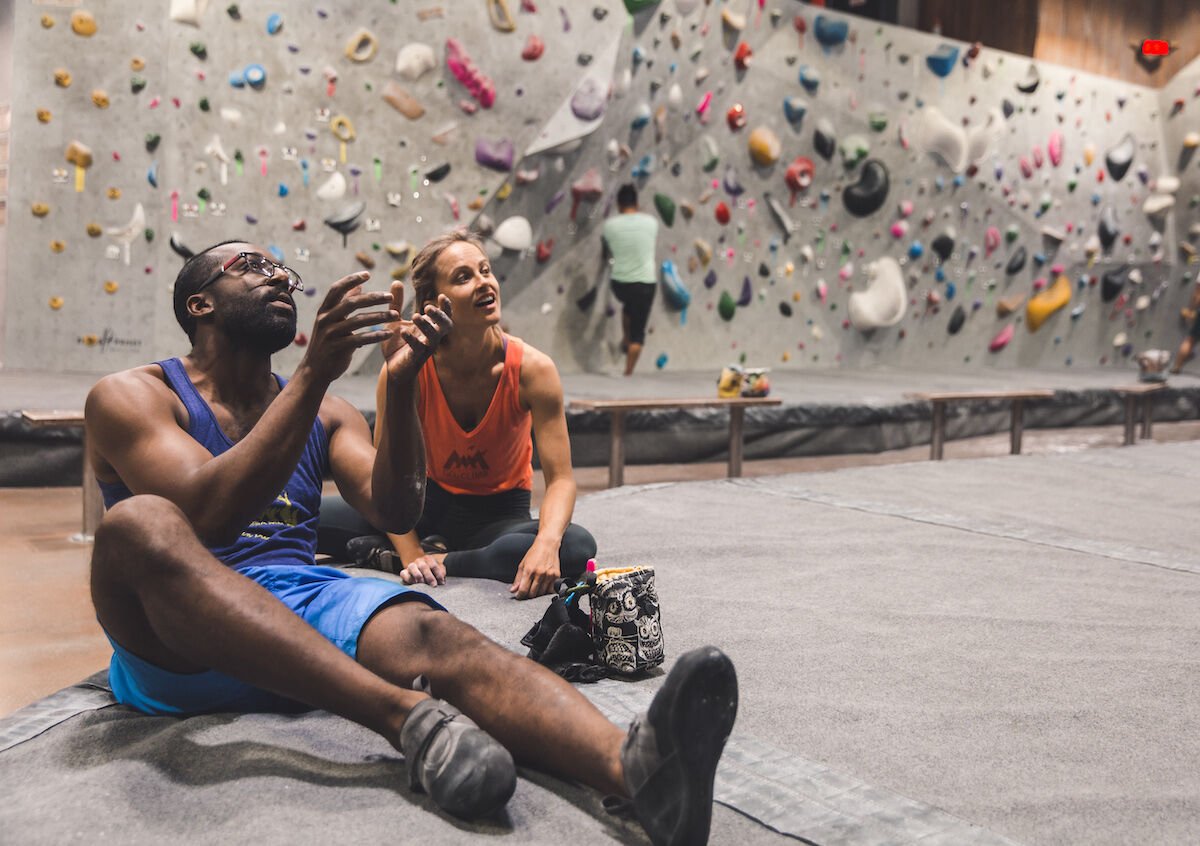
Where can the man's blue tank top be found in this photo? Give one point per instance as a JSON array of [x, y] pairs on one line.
[[286, 533]]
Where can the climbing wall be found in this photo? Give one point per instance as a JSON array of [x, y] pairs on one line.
[[832, 191]]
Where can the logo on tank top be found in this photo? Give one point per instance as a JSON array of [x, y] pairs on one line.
[[279, 515], [473, 460]]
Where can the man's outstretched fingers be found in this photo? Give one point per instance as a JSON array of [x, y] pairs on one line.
[[339, 288]]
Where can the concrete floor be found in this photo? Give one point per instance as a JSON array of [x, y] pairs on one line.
[[49, 637]]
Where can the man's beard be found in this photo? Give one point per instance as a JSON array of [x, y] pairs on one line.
[[253, 323]]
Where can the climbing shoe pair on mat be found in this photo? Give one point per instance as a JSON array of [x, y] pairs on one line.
[[670, 754]]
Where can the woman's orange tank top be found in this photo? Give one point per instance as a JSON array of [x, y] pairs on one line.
[[495, 456]]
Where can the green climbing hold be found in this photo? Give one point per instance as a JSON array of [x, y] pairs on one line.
[[1012, 233], [726, 306], [635, 6], [148, 233], [666, 208], [204, 194], [877, 121], [204, 106], [712, 155], [152, 140], [136, 84], [198, 49]]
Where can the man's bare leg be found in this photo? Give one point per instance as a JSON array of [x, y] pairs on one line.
[[535, 714], [1183, 354], [163, 596], [631, 358]]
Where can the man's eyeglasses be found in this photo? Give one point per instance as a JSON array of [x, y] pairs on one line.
[[258, 264]]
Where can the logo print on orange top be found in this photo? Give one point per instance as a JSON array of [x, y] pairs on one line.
[[463, 462]]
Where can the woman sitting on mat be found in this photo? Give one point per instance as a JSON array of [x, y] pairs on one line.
[[478, 397]]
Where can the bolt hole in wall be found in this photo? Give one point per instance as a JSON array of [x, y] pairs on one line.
[[833, 190]]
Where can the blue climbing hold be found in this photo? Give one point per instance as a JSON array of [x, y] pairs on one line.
[[916, 250], [283, 190], [675, 296], [661, 361], [809, 78], [951, 289], [237, 78], [830, 32], [255, 75], [794, 109], [644, 167], [942, 60], [152, 174], [274, 23], [940, 275], [276, 253]]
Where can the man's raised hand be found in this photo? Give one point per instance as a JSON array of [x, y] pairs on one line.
[[335, 337], [412, 342]]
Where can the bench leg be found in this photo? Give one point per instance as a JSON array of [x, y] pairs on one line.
[[737, 416], [938, 435], [1130, 420], [1147, 415], [93, 502], [1014, 433], [616, 454]]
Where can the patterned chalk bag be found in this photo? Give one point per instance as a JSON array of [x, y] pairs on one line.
[[626, 625]]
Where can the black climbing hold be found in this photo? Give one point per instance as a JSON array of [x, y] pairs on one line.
[[824, 143], [868, 195], [1016, 262], [710, 279], [588, 300], [438, 173], [747, 295], [181, 249], [763, 270], [943, 245], [1107, 230], [1112, 282], [785, 308], [1008, 108], [957, 320]]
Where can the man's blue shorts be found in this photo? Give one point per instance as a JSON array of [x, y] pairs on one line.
[[331, 601]]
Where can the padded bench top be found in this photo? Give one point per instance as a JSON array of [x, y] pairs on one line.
[[683, 402], [942, 396], [1140, 388], [52, 418]]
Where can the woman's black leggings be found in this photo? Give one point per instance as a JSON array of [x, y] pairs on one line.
[[486, 537]]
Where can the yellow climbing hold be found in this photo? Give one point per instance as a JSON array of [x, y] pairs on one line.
[[342, 127], [62, 77], [89, 340], [113, 193], [57, 246], [79, 154], [83, 23], [100, 98], [43, 115], [764, 146], [362, 46], [40, 209], [47, 21], [111, 287], [1089, 153], [56, 303], [504, 191], [137, 63], [1045, 303], [94, 230]]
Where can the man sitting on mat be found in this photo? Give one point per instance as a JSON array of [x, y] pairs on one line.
[[203, 576], [478, 397]]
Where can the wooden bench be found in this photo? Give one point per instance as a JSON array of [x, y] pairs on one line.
[[943, 398], [618, 408], [93, 502], [1142, 393]]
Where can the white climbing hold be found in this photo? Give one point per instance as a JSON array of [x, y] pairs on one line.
[[938, 135], [883, 303], [415, 60], [1158, 204], [514, 233], [334, 187]]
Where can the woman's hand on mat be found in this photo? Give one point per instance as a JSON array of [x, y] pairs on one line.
[[412, 342], [427, 570], [335, 334], [538, 570]]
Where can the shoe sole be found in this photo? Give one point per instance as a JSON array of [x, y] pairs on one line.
[[698, 703]]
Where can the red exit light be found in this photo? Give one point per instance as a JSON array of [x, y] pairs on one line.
[[1155, 47]]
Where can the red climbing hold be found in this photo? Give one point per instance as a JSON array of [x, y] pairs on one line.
[[722, 213]]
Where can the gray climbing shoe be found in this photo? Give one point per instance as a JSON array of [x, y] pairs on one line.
[[671, 753], [462, 767]]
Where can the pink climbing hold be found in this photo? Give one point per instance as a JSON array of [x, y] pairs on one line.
[[822, 290], [906, 208], [534, 47], [1039, 283], [1002, 338], [899, 229], [1038, 160], [1026, 167], [702, 106], [464, 71], [991, 240], [1055, 148]]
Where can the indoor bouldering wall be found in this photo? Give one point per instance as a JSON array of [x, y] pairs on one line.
[[831, 191]]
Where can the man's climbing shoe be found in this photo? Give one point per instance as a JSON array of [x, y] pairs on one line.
[[671, 752], [374, 552], [462, 767]]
